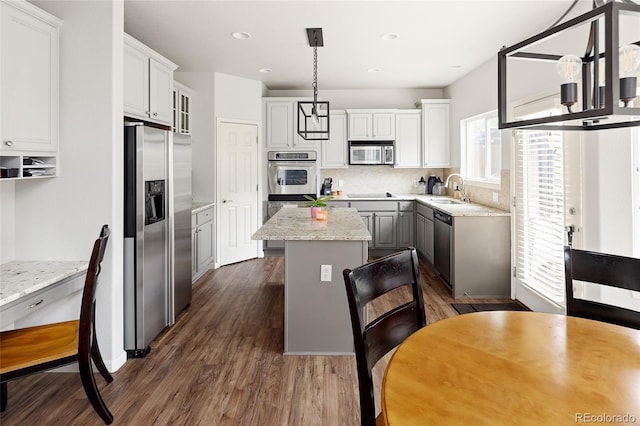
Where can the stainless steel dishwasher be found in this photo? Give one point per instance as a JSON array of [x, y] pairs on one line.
[[442, 245]]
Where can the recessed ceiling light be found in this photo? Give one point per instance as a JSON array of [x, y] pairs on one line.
[[374, 70], [389, 36], [265, 70], [240, 35]]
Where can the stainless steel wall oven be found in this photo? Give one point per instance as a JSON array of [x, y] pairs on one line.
[[291, 175]]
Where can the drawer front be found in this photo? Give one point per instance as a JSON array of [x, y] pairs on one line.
[[405, 206], [424, 211], [41, 300], [204, 216], [375, 206]]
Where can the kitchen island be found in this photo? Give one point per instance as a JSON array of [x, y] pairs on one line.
[[316, 314]]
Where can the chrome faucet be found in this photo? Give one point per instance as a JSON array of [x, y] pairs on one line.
[[463, 195]]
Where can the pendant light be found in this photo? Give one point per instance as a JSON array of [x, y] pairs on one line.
[[313, 116], [596, 90]]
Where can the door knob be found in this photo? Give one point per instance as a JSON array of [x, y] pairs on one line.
[[227, 201], [9, 143]]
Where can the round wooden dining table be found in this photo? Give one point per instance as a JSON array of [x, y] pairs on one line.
[[514, 368]]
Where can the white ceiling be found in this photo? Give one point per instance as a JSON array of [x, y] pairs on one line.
[[439, 41]]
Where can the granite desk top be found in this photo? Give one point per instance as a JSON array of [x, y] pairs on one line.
[[343, 224], [21, 278], [199, 206]]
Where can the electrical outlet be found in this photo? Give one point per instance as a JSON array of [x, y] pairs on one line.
[[340, 183], [495, 197], [325, 272]]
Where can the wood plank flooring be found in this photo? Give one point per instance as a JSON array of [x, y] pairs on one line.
[[220, 364]]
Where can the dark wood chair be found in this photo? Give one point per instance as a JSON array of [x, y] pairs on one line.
[[374, 339], [31, 350], [607, 270]]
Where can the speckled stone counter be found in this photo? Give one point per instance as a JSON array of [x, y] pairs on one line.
[[297, 224], [316, 313], [198, 206], [21, 278]]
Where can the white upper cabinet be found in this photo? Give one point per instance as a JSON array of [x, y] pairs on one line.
[[371, 125], [148, 83], [181, 106], [333, 152], [281, 130], [408, 138], [30, 79], [435, 122]]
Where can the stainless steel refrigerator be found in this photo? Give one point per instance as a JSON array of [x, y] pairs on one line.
[[180, 224], [146, 236]]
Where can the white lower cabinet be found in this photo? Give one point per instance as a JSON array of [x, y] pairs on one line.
[[202, 226]]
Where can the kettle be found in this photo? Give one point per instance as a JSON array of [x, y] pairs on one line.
[[326, 187]]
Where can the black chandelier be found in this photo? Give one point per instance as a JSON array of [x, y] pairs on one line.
[[313, 116], [607, 73]]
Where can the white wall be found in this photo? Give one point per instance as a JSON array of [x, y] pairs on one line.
[[59, 218], [7, 221], [203, 132], [365, 98]]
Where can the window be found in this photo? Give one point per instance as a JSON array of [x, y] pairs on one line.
[[481, 148]]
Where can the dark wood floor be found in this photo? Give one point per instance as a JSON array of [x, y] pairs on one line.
[[220, 364]]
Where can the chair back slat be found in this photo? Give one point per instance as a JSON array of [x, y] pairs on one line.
[[602, 269], [375, 339], [389, 330], [87, 307]]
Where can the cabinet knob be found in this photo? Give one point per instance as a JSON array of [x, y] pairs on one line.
[[155, 114], [8, 143]]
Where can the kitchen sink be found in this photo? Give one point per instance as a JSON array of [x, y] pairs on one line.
[[436, 201]]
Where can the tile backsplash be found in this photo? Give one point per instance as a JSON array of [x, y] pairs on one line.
[[377, 179]]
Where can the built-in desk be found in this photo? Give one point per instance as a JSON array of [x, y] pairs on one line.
[[316, 313], [36, 292]]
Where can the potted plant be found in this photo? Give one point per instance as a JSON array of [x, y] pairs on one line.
[[316, 203]]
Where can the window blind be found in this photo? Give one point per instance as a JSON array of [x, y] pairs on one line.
[[540, 213]]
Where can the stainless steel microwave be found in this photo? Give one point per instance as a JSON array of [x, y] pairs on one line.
[[368, 152]]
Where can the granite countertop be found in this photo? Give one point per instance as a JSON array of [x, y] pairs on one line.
[[21, 278], [199, 206], [457, 208], [297, 224]]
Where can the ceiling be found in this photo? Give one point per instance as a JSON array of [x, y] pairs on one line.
[[438, 41]]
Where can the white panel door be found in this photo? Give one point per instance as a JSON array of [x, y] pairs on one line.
[[238, 200]]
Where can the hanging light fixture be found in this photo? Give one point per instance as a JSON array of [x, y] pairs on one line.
[[598, 90], [313, 116]]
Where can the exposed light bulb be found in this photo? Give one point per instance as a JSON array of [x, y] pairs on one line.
[[629, 60], [315, 122], [629, 66], [569, 68]]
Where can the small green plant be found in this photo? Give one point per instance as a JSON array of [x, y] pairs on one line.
[[317, 202]]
